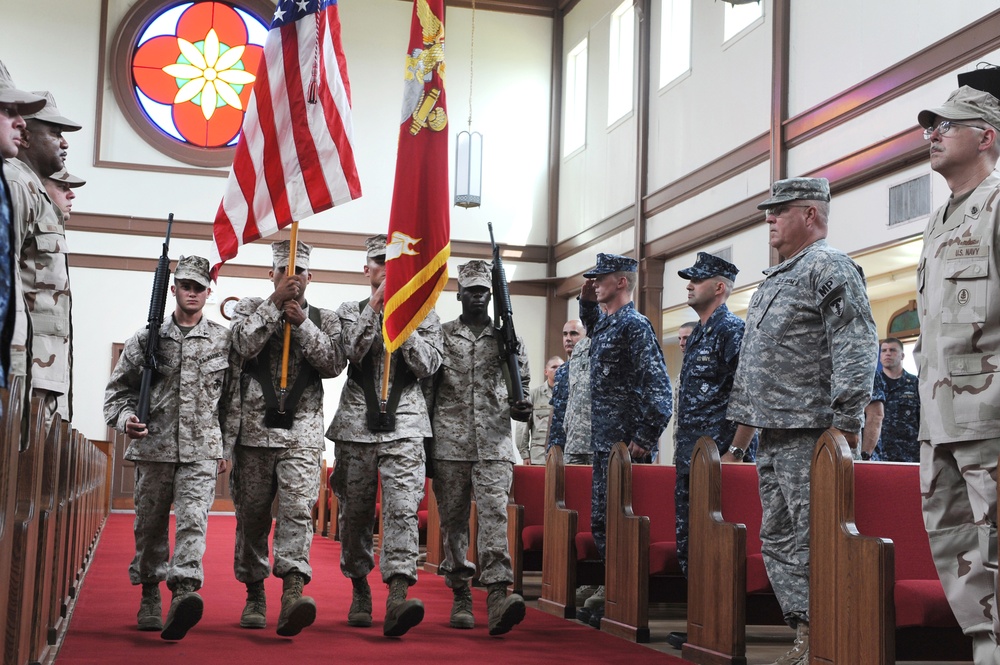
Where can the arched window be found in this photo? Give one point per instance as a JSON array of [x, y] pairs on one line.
[[182, 73]]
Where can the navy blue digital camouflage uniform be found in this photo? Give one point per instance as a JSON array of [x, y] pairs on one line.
[[6, 282], [631, 396], [707, 372], [901, 424]]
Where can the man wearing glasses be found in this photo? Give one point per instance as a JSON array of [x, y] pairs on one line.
[[806, 365], [958, 290]]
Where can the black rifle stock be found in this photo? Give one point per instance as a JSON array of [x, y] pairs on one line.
[[503, 319], [157, 304]]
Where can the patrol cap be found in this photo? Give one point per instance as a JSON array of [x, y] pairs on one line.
[[797, 189], [65, 177], [611, 263], [50, 114], [708, 265], [964, 104], [475, 273], [25, 102], [375, 246], [281, 249], [194, 268]]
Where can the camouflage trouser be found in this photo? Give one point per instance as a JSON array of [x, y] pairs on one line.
[[258, 475], [682, 504], [599, 501], [191, 488], [455, 485], [578, 458], [400, 466], [959, 489], [784, 459], [537, 451]]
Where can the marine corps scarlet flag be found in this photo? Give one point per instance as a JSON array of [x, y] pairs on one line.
[[418, 245]]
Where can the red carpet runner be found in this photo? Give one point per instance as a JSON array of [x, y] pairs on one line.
[[103, 625]]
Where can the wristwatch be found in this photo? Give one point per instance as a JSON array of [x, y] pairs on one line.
[[738, 453], [865, 457]]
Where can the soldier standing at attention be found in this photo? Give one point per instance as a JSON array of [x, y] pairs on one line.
[[473, 453], [901, 423], [958, 295], [630, 390], [711, 354], [193, 420], [570, 428], [280, 444], [40, 246], [373, 445], [535, 432], [806, 365]]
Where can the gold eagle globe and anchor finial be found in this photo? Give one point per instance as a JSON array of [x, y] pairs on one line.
[[419, 105]]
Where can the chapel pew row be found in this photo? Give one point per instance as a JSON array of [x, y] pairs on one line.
[[53, 503]]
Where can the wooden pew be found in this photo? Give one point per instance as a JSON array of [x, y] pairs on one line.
[[10, 439], [726, 572], [874, 592], [24, 552], [42, 620], [641, 545], [569, 554], [526, 521]]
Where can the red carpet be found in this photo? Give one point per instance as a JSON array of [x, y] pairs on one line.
[[103, 624]]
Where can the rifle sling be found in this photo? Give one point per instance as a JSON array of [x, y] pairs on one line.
[[365, 377], [259, 367]]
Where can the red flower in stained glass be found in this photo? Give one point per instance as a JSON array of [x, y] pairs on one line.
[[203, 72]]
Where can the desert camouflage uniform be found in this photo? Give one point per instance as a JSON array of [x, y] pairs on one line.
[[397, 457], [901, 425], [272, 460], [631, 398], [193, 420], [534, 433], [473, 452], [570, 427], [958, 292], [40, 245], [806, 364], [710, 359]]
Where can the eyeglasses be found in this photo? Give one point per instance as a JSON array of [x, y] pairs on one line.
[[945, 126], [778, 211]]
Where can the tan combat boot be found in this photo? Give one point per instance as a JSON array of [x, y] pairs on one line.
[[185, 611], [505, 611], [401, 614], [255, 612], [360, 613], [150, 616], [461, 608], [799, 653], [297, 611]]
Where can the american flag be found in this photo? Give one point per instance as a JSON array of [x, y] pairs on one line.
[[295, 156]]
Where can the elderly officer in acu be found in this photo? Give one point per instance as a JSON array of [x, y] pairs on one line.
[[806, 365], [958, 293]]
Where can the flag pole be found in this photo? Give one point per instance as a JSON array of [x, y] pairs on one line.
[[385, 379], [290, 270]]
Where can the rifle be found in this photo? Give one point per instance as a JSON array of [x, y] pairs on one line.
[[503, 320], [157, 303]]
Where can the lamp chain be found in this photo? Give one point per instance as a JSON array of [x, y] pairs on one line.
[[472, 53]]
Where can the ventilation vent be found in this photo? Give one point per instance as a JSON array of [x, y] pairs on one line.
[[724, 253], [910, 200]]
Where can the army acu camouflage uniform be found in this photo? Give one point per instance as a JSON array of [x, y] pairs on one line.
[[397, 457], [707, 372], [473, 452], [806, 365], [40, 247], [193, 421], [958, 292], [570, 428], [534, 433], [272, 460], [631, 398], [901, 425]]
